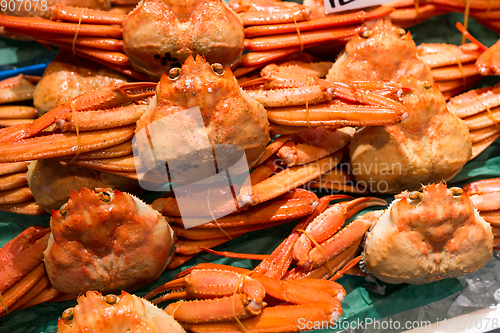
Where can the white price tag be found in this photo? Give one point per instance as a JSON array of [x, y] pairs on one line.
[[335, 6]]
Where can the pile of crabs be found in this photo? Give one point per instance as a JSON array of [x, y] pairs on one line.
[[230, 115]]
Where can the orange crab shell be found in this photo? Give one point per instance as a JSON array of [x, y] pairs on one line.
[[230, 118], [384, 53], [431, 145], [428, 236], [161, 34], [125, 313], [106, 241]]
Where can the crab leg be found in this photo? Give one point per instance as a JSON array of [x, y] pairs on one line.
[[437, 55], [336, 264], [479, 147], [329, 22], [339, 180], [454, 72], [17, 112], [102, 43], [474, 101], [326, 225], [334, 114], [483, 119], [277, 16], [8, 168], [286, 208], [293, 40], [22, 263], [338, 243], [16, 195], [484, 194], [191, 247], [290, 178], [47, 26], [17, 88], [12, 181], [93, 16], [213, 233], [63, 144], [484, 133], [119, 150], [122, 164], [310, 151], [29, 207], [280, 259], [252, 59], [101, 98]]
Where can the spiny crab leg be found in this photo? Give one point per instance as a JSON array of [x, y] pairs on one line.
[[484, 194], [329, 22], [267, 43], [327, 224], [280, 259]]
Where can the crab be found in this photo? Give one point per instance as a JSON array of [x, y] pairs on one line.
[[427, 236], [98, 313], [418, 150]]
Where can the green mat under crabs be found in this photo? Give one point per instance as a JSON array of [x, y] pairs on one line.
[[360, 302]]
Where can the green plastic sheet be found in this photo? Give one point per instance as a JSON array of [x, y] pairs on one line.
[[361, 302]]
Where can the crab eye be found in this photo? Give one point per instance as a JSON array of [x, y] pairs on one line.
[[218, 68], [174, 73], [110, 299], [401, 32], [366, 33], [67, 314], [456, 191], [104, 197], [415, 197], [427, 85], [63, 210]]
